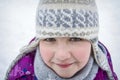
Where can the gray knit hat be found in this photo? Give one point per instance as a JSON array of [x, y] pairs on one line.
[[69, 18]]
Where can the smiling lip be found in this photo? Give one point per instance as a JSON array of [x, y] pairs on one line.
[[64, 65]]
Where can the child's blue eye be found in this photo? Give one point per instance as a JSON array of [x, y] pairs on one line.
[[75, 39], [49, 39]]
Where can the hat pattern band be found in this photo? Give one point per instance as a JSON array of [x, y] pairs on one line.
[[68, 1], [67, 18]]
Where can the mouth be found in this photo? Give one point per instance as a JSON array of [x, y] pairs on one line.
[[64, 65]]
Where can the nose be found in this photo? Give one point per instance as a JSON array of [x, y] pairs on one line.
[[62, 52]]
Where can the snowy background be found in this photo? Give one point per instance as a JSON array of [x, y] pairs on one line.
[[17, 27]]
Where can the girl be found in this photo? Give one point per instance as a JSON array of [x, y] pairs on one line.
[[66, 45]]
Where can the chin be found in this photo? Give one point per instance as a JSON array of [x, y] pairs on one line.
[[66, 76]]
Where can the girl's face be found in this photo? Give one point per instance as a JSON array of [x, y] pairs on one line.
[[66, 56]]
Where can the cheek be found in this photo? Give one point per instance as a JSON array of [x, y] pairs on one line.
[[46, 53], [82, 53]]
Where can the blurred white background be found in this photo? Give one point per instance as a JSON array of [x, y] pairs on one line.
[[17, 28]]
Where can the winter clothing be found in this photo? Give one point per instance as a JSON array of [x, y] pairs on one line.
[[64, 18], [23, 67], [69, 18]]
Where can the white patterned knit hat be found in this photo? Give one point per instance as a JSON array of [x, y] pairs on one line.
[[69, 18]]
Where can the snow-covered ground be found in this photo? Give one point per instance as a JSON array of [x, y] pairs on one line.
[[17, 27]]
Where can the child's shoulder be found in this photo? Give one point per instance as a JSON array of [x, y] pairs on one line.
[[21, 66]]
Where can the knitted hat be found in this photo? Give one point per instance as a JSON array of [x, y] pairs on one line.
[[69, 18]]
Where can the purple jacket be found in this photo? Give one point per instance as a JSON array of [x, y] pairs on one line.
[[23, 69]]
